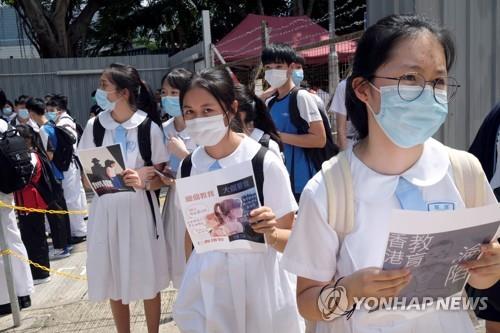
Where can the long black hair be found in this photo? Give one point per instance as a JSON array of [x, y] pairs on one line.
[[375, 48], [219, 84], [256, 111], [141, 95], [178, 78]]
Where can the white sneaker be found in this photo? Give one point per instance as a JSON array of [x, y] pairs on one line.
[[41, 281], [59, 254]]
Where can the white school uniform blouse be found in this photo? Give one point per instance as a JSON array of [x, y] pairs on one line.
[[312, 246], [241, 292], [125, 259]]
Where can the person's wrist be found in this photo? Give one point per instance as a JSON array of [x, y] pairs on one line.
[[272, 237], [347, 283]]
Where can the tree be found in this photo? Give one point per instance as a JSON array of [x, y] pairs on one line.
[[57, 28], [69, 28]]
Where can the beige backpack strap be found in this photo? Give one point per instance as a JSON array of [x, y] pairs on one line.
[[469, 177], [338, 181]]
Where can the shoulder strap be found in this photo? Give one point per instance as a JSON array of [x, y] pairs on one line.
[[98, 132], [293, 107], [469, 177], [258, 172], [264, 140], [144, 138], [186, 166], [271, 102], [338, 181]]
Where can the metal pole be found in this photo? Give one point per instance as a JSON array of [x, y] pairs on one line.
[[207, 38], [265, 34], [333, 61], [9, 278]]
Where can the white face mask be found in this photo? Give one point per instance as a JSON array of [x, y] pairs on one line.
[[207, 131], [276, 77]]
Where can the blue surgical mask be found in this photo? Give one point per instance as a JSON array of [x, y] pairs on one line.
[[410, 123], [23, 114], [51, 116], [171, 105], [101, 97], [7, 111], [297, 76]]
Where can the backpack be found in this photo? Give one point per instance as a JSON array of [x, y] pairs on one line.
[[468, 175], [264, 140], [15, 159], [63, 155], [316, 155], [79, 132], [144, 140], [257, 166]]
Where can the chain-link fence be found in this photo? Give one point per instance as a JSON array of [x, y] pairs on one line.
[[249, 71]]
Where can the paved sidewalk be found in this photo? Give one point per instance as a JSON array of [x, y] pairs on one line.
[[62, 306]]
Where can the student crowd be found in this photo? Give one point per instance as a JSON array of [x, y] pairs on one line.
[[387, 111]]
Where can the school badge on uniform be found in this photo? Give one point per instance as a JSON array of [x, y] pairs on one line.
[[440, 206]]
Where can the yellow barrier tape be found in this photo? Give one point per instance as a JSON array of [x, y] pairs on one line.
[[52, 271], [43, 211]]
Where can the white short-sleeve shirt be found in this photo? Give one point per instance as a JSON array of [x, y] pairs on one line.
[[170, 131], [67, 122], [308, 106], [133, 158], [276, 188], [338, 106], [311, 249]]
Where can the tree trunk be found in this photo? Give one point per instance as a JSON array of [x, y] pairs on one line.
[[58, 33], [310, 7], [300, 7], [260, 7]]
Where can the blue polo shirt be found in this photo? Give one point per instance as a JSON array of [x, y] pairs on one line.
[[297, 164], [52, 143]]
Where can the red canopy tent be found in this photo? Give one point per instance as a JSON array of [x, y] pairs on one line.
[[244, 43]]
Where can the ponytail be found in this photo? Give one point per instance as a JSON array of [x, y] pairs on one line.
[[256, 111], [140, 94], [146, 102]]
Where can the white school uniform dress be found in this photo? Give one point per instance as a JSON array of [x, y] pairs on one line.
[[173, 221], [125, 259], [338, 106], [244, 292], [74, 193], [273, 145], [23, 281], [311, 249]]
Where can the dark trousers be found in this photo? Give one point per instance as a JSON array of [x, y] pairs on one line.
[[32, 227], [59, 225]]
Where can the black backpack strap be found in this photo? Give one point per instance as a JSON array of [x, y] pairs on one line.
[[293, 107], [264, 140], [187, 165], [98, 132], [258, 172], [144, 139]]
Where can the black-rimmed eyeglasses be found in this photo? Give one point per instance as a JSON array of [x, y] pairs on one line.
[[446, 87]]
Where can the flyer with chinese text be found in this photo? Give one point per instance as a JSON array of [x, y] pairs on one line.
[[216, 207], [434, 244]]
